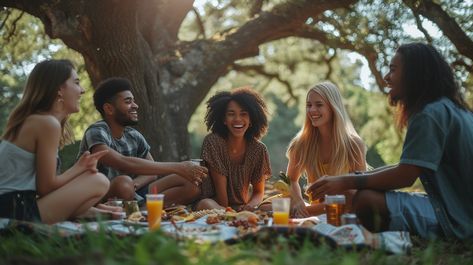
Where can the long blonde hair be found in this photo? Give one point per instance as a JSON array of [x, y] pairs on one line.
[[304, 146], [39, 95]]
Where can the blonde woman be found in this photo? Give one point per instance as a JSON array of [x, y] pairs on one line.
[[30, 188], [327, 144]]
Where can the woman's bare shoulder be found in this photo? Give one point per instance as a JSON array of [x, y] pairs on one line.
[[44, 119], [35, 128], [43, 123]]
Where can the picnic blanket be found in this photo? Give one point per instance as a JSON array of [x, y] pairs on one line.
[[352, 237]]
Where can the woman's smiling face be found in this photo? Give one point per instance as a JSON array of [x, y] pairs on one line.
[[394, 78], [237, 119], [318, 110]]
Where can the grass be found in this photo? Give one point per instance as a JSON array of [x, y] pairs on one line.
[[156, 248]]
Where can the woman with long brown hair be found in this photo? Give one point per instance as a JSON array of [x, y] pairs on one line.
[[30, 188]]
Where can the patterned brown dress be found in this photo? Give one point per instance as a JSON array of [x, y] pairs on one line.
[[254, 168]]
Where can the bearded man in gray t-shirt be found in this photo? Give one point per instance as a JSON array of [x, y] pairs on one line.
[[129, 164]]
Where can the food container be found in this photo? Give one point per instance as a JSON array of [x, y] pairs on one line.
[[198, 162], [131, 207], [349, 218], [115, 202]]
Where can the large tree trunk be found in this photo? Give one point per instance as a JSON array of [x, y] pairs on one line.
[[138, 40]]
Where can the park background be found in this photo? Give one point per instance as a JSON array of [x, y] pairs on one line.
[[179, 53], [350, 46]]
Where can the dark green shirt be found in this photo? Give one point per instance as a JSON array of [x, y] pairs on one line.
[[440, 139]]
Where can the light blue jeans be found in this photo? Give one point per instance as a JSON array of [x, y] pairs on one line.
[[412, 212]]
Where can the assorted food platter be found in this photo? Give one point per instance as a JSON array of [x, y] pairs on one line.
[[205, 225]]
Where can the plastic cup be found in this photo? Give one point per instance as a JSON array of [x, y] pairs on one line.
[[154, 205], [334, 208], [281, 207], [198, 162]]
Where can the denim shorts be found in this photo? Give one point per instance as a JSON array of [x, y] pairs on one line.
[[20, 205], [412, 212]]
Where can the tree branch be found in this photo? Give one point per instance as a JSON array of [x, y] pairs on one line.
[[8, 13], [282, 21], [200, 23], [160, 21], [368, 51], [328, 61], [259, 69], [256, 7], [447, 24], [219, 52], [13, 26], [421, 28], [462, 63]]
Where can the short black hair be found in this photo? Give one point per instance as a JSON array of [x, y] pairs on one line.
[[249, 100], [108, 89]]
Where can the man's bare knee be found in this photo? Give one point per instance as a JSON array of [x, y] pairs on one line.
[[122, 187]]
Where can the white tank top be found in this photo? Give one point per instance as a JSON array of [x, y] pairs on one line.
[[17, 168]]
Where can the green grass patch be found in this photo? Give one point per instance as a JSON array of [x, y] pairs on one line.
[[157, 248]]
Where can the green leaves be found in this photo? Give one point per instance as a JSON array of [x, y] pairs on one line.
[[284, 178]]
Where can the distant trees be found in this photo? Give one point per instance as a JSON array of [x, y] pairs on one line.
[[175, 52]]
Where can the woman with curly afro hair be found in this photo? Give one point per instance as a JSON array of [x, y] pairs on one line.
[[233, 151]]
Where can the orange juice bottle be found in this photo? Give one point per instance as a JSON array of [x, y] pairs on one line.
[[154, 204], [281, 218]]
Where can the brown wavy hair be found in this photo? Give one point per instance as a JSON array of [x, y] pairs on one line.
[[39, 95]]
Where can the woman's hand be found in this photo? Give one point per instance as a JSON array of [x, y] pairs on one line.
[[299, 210], [247, 207], [103, 211], [109, 207], [88, 161]]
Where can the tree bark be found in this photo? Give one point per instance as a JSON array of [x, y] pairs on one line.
[[138, 40]]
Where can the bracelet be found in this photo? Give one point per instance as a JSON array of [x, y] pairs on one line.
[[360, 180]]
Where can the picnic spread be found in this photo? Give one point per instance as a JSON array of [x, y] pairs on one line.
[[218, 225]]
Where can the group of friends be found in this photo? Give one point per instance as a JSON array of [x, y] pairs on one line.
[[114, 159]]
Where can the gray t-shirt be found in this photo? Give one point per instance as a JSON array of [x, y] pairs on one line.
[[440, 138], [132, 144], [17, 170]]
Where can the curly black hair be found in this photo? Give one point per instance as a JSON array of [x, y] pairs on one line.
[[249, 100]]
